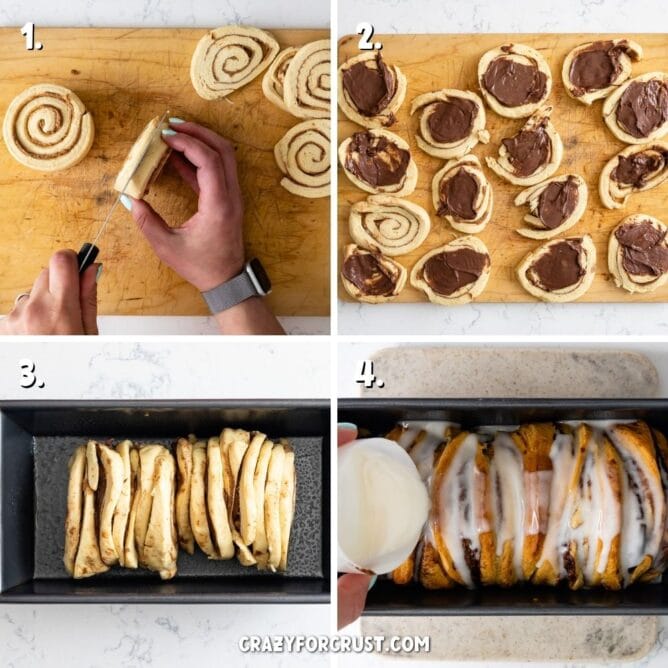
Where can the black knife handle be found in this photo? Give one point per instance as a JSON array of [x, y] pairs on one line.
[[86, 256]]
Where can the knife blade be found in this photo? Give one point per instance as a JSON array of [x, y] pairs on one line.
[[89, 250]]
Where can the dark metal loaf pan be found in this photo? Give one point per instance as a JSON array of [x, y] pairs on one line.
[[377, 416], [36, 441]]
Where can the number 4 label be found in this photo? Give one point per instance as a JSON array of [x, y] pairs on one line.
[[366, 375]]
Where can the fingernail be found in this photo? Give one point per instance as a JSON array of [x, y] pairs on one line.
[[126, 202], [168, 132], [348, 426], [176, 120], [99, 273], [372, 582]]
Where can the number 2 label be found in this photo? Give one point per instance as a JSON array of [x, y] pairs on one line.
[[366, 30]]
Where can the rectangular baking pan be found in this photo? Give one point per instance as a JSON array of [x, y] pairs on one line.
[[36, 441], [377, 416]]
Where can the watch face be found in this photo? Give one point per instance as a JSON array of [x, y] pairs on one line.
[[255, 266]]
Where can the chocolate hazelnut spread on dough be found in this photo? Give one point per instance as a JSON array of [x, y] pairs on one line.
[[376, 160], [448, 271], [634, 169], [451, 120], [557, 202], [514, 84], [368, 275], [369, 89], [644, 251], [643, 107], [528, 150], [458, 195], [559, 268], [597, 66]]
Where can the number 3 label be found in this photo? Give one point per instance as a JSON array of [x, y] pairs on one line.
[[366, 30], [28, 377]]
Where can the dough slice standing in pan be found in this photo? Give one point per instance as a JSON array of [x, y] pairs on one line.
[[184, 462], [108, 495], [272, 520], [130, 546], [260, 546], [122, 511], [77, 466], [147, 457], [199, 520], [215, 494]]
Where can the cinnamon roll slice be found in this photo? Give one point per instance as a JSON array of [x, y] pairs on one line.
[[371, 91], [555, 205], [453, 274], [388, 225], [515, 80], [638, 254], [532, 155], [593, 70], [379, 162], [306, 86], [48, 128], [637, 112], [274, 78], [371, 277], [462, 195], [633, 170], [561, 270], [228, 58], [452, 122]]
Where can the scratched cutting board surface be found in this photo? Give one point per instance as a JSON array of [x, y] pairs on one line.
[[432, 62], [125, 77]]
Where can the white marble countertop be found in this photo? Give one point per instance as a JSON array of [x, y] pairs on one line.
[[442, 16]]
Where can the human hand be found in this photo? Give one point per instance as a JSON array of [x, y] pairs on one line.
[[60, 302], [352, 587], [207, 249]]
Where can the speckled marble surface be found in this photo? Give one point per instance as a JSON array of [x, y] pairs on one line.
[[442, 16]]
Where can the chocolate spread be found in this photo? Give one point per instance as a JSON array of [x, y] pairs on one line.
[[376, 160], [559, 268], [643, 107], [644, 251], [451, 120], [458, 194], [557, 202], [528, 150], [633, 170], [514, 84], [369, 89], [597, 66], [366, 272], [448, 271]]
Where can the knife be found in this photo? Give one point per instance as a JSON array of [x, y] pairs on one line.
[[89, 250]]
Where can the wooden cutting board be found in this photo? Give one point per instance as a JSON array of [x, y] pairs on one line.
[[432, 62], [125, 77]]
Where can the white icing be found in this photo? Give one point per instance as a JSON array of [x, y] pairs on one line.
[[420, 440]]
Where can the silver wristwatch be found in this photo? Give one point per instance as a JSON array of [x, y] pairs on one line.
[[251, 282]]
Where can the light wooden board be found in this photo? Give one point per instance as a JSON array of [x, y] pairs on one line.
[[432, 62], [125, 77]]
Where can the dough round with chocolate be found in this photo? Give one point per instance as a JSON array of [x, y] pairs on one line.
[[228, 58], [593, 70], [453, 274], [48, 128], [306, 85], [632, 170], [371, 277], [638, 254], [637, 112], [561, 270], [555, 205], [388, 225], [274, 77], [452, 122], [532, 155], [462, 195], [515, 80], [379, 162], [370, 90]]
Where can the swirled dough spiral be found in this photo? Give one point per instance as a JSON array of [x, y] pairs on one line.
[[47, 128], [388, 225], [228, 58], [274, 77], [303, 157], [462, 194], [306, 86], [463, 117], [370, 276]]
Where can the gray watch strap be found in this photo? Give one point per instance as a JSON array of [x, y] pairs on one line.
[[229, 294]]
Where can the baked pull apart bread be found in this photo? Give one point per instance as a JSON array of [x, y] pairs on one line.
[[369, 276], [561, 270], [532, 155], [638, 254], [555, 205], [593, 70]]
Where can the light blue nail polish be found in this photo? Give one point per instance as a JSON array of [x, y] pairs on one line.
[[176, 120], [168, 132], [348, 426], [372, 582], [99, 273], [126, 202]]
